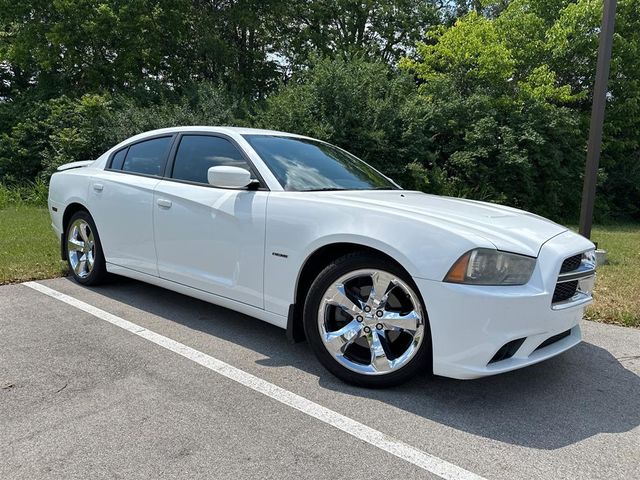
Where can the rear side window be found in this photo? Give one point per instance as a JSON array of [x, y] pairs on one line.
[[147, 157], [197, 153]]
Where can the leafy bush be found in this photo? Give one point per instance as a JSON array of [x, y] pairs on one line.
[[205, 104], [493, 104], [52, 133], [362, 106], [64, 129], [30, 193], [506, 144]]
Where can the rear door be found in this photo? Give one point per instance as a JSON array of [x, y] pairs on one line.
[[210, 238], [121, 203]]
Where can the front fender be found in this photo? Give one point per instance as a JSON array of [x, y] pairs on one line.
[[298, 225], [358, 239]]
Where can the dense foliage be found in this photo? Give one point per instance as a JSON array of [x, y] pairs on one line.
[[487, 99]]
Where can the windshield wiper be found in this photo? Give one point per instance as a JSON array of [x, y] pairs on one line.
[[328, 189]]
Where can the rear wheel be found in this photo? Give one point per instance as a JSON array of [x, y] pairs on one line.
[[366, 322], [84, 251]]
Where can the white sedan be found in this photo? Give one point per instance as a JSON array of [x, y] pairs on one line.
[[382, 282]]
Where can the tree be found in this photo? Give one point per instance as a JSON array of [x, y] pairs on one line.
[[82, 46], [491, 101], [504, 132], [378, 29], [517, 73], [137, 46]]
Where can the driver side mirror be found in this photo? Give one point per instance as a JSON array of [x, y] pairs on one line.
[[228, 177]]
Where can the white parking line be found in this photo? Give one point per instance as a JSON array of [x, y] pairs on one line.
[[417, 457]]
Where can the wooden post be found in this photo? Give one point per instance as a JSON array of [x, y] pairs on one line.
[[597, 117]]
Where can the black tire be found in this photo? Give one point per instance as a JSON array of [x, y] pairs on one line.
[[421, 362], [98, 273]]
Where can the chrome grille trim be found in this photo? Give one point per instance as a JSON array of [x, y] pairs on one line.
[[584, 270]]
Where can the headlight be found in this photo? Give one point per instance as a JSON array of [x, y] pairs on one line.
[[485, 266]]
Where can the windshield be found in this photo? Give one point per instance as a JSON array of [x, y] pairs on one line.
[[301, 164]]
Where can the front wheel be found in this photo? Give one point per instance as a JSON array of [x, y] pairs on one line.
[[366, 322], [84, 250]]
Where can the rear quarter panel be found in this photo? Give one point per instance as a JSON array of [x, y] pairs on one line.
[[65, 188]]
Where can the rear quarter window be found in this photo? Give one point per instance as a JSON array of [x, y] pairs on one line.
[[146, 158], [118, 159]]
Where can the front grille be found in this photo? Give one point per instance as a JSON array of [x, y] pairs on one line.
[[571, 263], [554, 339], [564, 291], [575, 281]]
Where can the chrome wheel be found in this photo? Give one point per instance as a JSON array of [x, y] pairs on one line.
[[371, 322], [81, 248]]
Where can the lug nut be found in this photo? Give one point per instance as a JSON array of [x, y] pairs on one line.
[[367, 330], [379, 313], [359, 318], [379, 326], [367, 308]]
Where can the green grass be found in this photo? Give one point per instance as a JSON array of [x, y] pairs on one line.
[[617, 292], [29, 249]]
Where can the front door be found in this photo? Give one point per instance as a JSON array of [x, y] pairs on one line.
[[210, 238]]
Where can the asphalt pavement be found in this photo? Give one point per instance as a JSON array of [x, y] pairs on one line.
[[82, 398]]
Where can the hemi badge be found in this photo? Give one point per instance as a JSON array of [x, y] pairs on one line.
[[276, 254]]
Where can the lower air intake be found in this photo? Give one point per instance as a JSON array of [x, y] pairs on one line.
[[508, 350], [554, 339]]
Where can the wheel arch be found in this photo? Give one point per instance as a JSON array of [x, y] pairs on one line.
[[313, 264]]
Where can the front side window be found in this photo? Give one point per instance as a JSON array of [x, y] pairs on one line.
[[302, 164], [147, 157], [197, 153]]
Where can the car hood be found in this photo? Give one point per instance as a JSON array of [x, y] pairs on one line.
[[507, 228]]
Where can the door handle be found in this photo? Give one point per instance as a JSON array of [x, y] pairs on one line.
[[98, 187], [164, 203]]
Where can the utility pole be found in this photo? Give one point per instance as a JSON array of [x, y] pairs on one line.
[[597, 117]]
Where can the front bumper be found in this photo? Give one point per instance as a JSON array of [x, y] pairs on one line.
[[470, 324]]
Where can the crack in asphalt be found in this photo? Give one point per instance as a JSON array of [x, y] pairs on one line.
[[65, 386]]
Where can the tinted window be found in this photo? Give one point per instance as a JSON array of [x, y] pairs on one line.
[[147, 157], [197, 153], [118, 159], [304, 164]]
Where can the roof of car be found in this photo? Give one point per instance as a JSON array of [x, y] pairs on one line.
[[217, 129], [199, 128]]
